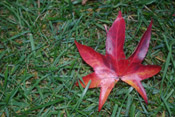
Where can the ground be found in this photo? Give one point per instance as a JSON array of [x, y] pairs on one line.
[[39, 62]]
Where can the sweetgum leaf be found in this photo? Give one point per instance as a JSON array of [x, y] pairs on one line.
[[113, 66]]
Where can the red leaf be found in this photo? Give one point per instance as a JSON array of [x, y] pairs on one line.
[[113, 66]]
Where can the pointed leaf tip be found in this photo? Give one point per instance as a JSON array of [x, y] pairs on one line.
[[90, 56], [142, 48], [151, 21], [119, 14], [106, 86], [95, 81], [150, 25], [75, 42], [134, 81], [104, 93]]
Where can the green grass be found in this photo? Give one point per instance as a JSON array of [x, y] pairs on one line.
[[39, 62]]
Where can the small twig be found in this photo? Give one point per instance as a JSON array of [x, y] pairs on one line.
[[38, 7]]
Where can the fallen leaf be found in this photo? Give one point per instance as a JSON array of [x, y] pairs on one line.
[[113, 66]]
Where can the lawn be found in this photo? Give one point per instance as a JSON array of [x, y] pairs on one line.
[[39, 62]]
